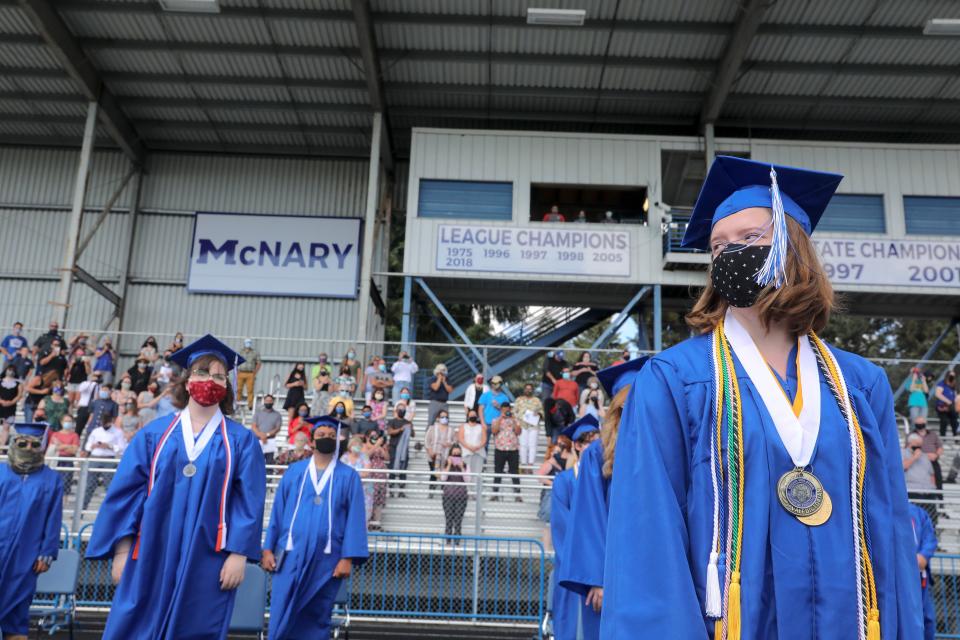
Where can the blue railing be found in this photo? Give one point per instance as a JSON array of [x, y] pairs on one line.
[[673, 234], [412, 577], [945, 590]]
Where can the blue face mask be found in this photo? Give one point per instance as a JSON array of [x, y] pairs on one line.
[[566, 375], [338, 410], [367, 414], [405, 396]]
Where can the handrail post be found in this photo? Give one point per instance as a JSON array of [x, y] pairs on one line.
[[80, 493], [477, 532]]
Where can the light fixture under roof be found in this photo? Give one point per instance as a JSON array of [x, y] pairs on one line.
[[190, 6], [556, 17], [942, 27]]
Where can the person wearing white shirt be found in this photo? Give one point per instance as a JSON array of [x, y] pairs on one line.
[[87, 392], [403, 371], [471, 396], [104, 443]]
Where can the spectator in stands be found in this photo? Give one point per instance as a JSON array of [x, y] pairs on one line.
[[401, 432], [378, 454], [299, 422], [129, 420], [346, 382], [918, 473], [266, 425], [438, 392], [247, 372], [403, 371], [437, 441], [472, 437], [559, 415], [624, 357], [165, 406], [43, 343], [323, 364], [12, 343], [295, 385], [552, 369], [454, 492], [591, 403], [30, 537], [917, 401], [103, 410], [149, 351], [932, 447], [140, 374], [506, 454], [471, 397], [55, 405], [490, 403], [78, 370], [365, 423], [559, 455], [176, 344], [609, 219], [105, 443], [357, 459], [297, 452], [529, 411], [926, 539], [945, 396], [166, 370], [23, 364], [566, 388], [65, 444], [10, 393], [581, 217], [554, 215], [343, 412], [379, 409], [584, 370], [147, 403], [36, 390], [407, 398], [350, 361], [104, 361], [125, 392], [322, 391], [381, 378], [368, 374], [86, 393], [52, 359]]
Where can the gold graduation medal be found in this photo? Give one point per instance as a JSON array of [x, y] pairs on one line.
[[801, 494]]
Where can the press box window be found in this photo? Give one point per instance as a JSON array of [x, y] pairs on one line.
[[851, 213], [465, 200], [628, 205], [932, 216]]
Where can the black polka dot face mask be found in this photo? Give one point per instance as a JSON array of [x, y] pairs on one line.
[[735, 271]]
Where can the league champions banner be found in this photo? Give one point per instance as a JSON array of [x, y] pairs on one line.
[[574, 249], [275, 255], [890, 262]]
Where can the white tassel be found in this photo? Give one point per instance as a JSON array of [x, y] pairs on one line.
[[714, 605], [774, 269]]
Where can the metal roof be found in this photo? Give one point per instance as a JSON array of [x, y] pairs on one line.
[[294, 76]]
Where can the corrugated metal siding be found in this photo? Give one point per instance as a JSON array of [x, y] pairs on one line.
[[37, 176], [27, 301]]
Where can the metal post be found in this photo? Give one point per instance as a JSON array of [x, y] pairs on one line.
[[405, 320], [657, 319], [120, 312], [709, 144], [80, 490], [477, 532], [76, 216], [486, 363], [369, 223], [621, 318]]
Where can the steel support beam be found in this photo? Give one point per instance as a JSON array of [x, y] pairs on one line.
[[622, 317], [62, 302], [405, 322], [371, 65], [103, 214], [65, 48], [453, 323], [120, 312], [657, 318], [369, 223], [453, 342], [709, 144], [748, 20]]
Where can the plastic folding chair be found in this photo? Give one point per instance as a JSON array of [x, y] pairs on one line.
[[251, 603], [60, 582], [340, 621]]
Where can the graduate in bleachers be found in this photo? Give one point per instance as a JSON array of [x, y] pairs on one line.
[[926, 538], [568, 606], [758, 490], [317, 534], [582, 560], [184, 512], [31, 508]]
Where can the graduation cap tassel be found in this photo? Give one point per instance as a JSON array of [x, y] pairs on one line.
[[774, 268], [733, 608]]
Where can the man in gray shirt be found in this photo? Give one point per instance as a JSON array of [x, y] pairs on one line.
[[918, 474], [266, 426]]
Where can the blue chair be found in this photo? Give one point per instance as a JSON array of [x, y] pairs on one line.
[[250, 605], [340, 621], [60, 581]]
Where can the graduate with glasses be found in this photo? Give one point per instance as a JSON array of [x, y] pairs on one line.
[[184, 512], [757, 490]]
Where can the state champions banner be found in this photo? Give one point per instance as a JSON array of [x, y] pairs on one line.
[[274, 255], [890, 261], [573, 249]]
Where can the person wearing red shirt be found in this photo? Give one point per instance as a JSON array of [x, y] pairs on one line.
[[554, 215], [299, 422], [566, 388]]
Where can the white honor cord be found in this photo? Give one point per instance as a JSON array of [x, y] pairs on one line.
[[713, 596], [798, 434], [195, 447]]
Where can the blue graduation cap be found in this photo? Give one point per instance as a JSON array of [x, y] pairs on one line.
[[323, 421], [616, 378], [581, 427], [207, 345], [735, 184], [34, 429]]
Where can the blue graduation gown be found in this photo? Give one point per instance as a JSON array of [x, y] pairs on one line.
[[303, 588], [583, 551], [926, 539], [566, 603], [31, 508], [172, 590], [797, 581]]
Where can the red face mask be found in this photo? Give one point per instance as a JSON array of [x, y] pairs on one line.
[[207, 392]]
